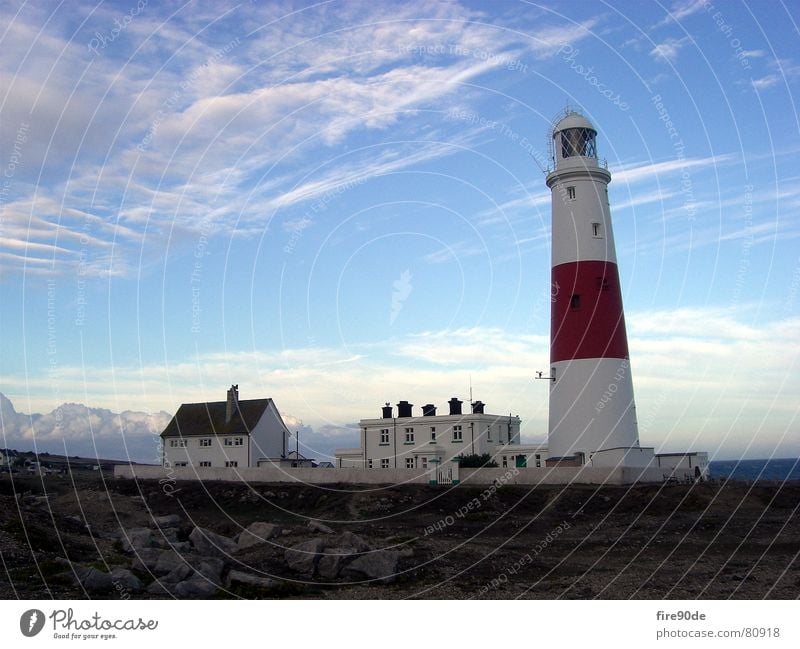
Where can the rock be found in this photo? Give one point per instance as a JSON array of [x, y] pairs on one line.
[[166, 537], [250, 497], [316, 526], [303, 557], [94, 580], [380, 565], [332, 561], [125, 580], [257, 533], [196, 587], [209, 543], [180, 573], [211, 568], [170, 520], [138, 538], [146, 560], [405, 552], [350, 540], [239, 577], [167, 562], [160, 588]]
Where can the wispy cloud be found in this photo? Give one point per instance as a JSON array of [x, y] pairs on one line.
[[667, 51], [454, 252], [680, 10], [639, 172], [765, 82], [216, 136]]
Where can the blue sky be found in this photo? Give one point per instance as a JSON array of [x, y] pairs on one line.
[[339, 204]]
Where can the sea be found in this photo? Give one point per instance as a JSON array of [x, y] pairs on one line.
[[750, 470]]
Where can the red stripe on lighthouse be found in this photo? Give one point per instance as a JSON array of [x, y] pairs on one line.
[[586, 318]]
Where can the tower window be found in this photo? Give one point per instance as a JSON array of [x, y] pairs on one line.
[[578, 142], [575, 301], [602, 283], [597, 230], [571, 193]]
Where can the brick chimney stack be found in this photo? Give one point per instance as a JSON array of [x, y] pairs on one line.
[[233, 403]]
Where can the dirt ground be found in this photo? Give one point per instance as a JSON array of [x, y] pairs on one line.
[[713, 541]]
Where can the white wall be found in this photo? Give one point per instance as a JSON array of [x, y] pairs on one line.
[[270, 436], [217, 453], [591, 407], [556, 475], [264, 474]]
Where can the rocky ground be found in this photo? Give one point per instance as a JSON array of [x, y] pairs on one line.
[[94, 536]]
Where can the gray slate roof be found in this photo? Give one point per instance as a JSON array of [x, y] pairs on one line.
[[208, 419]]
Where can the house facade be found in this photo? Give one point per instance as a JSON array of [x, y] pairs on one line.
[[232, 433], [400, 440]]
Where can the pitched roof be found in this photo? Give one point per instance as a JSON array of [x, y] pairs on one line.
[[204, 419]]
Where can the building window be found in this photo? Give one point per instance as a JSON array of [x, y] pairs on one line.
[[571, 193], [177, 443], [409, 435], [505, 462], [369, 463], [385, 463], [602, 283], [457, 435], [575, 302], [238, 441], [231, 464], [538, 464], [433, 434], [488, 433], [384, 435], [578, 142], [228, 441], [205, 463], [597, 231], [424, 463], [179, 463], [205, 441], [409, 463]]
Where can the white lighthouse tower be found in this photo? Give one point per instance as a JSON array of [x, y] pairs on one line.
[[592, 411]]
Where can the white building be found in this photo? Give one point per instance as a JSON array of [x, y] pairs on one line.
[[683, 466], [403, 441], [230, 433]]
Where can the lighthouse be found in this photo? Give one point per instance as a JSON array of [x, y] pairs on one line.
[[592, 412]]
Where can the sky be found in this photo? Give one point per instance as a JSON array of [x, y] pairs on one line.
[[338, 204]]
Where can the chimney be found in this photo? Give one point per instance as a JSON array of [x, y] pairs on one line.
[[428, 410], [455, 406], [477, 407], [387, 411], [404, 409], [233, 403]]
